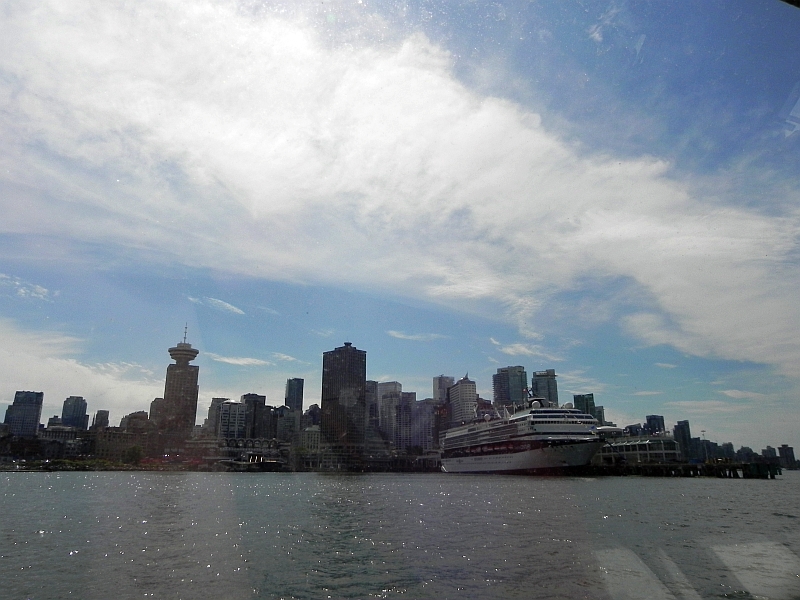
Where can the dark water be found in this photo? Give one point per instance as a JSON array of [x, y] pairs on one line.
[[195, 535]]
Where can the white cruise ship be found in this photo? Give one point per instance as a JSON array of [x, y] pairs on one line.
[[535, 440]]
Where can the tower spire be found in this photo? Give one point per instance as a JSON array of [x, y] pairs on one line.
[[185, 331]]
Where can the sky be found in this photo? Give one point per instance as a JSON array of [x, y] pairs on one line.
[[607, 189]]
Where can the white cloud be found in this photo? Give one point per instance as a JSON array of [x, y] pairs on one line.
[[241, 361], [416, 337], [519, 349], [285, 357], [647, 393], [743, 395], [301, 160], [223, 306], [24, 289], [666, 365], [48, 362]]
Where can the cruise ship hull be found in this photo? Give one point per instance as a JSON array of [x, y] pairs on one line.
[[548, 456]]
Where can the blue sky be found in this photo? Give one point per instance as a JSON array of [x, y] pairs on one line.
[[608, 189]]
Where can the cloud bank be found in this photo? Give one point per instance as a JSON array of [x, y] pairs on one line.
[[248, 143]]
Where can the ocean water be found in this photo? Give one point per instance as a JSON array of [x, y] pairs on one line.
[[126, 535]]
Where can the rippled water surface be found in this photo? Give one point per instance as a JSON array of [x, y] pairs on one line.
[[222, 535]]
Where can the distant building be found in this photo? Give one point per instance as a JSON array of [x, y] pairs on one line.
[[655, 424], [232, 420], [73, 413], [510, 386], [462, 400], [100, 419], [544, 385], [257, 422], [786, 457], [584, 403], [177, 414], [211, 425], [389, 394], [441, 383], [343, 419], [682, 434], [423, 425], [24, 415], [137, 422], [294, 394]]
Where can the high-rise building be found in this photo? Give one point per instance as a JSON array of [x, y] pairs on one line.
[[100, 419], [510, 386], [256, 419], [23, 416], [232, 420], [462, 399], [177, 413], [212, 422], [389, 393], [343, 419], [294, 394], [584, 403], [683, 436], [543, 385], [73, 413], [440, 385], [786, 455], [655, 424]]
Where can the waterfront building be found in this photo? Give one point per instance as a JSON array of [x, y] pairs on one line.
[[73, 413], [655, 424], [510, 386], [177, 413], [100, 419], [24, 415], [544, 385], [640, 449], [294, 394], [441, 383], [462, 399], [343, 418]]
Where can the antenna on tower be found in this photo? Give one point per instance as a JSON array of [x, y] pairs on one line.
[[185, 331]]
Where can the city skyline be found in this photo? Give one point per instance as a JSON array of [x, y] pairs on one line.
[[608, 192]]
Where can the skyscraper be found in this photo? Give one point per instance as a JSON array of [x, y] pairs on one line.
[[343, 419], [440, 385], [584, 403], [178, 411], [510, 386], [655, 424], [544, 386], [294, 394], [256, 406], [683, 436], [100, 419], [24, 415], [462, 398], [73, 413]]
